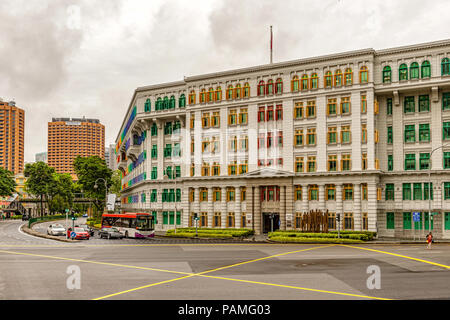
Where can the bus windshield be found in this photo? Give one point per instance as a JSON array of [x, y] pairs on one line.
[[144, 223]]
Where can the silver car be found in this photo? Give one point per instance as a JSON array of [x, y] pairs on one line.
[[110, 233], [56, 230]]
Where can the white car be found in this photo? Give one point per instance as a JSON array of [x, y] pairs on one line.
[[56, 230]]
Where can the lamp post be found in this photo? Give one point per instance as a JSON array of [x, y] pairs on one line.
[[106, 190], [429, 184]]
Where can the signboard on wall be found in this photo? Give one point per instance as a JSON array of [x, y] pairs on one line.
[[249, 218], [288, 220]]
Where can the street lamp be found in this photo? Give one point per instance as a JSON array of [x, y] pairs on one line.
[[429, 184], [106, 190]]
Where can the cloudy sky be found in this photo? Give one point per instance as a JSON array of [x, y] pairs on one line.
[[74, 58]]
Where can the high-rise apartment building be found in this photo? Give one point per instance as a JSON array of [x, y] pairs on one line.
[[363, 134], [72, 137], [12, 130], [42, 156]]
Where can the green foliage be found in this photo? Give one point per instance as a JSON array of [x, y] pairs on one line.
[[7, 182], [116, 183], [209, 231], [313, 240], [40, 179], [89, 170], [366, 235], [200, 235]]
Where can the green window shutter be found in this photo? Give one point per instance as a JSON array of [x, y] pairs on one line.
[[390, 162], [417, 191], [426, 69], [414, 71], [447, 220], [427, 189], [409, 105], [155, 217], [446, 131], [178, 218], [171, 217], [424, 132], [403, 72], [390, 191], [410, 162], [446, 160], [410, 133], [407, 221], [424, 103], [165, 217], [390, 135], [424, 161], [390, 220], [445, 66], [406, 191], [446, 190], [389, 106]]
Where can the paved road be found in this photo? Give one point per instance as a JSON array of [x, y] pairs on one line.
[[35, 268]]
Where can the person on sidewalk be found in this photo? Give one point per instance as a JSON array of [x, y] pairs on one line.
[[429, 240]]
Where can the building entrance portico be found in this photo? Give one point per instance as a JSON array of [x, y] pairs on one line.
[[271, 221]]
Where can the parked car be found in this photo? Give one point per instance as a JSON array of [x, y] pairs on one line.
[[80, 233], [56, 229], [85, 215], [88, 229], [110, 233]]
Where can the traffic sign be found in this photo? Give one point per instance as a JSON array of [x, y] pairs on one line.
[[416, 216], [196, 218], [73, 234]]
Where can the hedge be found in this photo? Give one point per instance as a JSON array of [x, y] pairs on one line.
[[232, 232], [370, 234], [362, 237], [314, 240], [200, 235]]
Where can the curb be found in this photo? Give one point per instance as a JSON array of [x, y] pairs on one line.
[[32, 232]]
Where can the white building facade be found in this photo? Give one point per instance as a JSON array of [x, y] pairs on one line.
[[237, 147]]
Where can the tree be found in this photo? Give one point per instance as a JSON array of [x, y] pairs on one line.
[[61, 189], [89, 170], [116, 181], [40, 177], [7, 183]]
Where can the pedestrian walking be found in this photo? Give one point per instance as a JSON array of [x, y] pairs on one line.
[[429, 240]]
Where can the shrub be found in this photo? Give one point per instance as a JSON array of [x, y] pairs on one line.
[[360, 236], [313, 240], [200, 235], [231, 232]]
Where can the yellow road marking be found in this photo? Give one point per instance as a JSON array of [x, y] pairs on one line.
[[399, 255]]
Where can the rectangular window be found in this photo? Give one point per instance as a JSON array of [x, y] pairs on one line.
[[298, 193], [410, 161], [409, 105], [364, 191], [446, 190], [346, 162], [332, 135], [332, 107], [279, 112], [345, 105], [348, 221], [390, 220], [446, 160], [364, 161], [446, 101], [390, 162], [390, 135], [389, 106], [269, 113], [424, 103], [154, 151], [311, 164], [215, 119], [424, 132], [311, 109], [447, 221], [417, 195], [154, 174], [363, 133], [348, 192], [424, 161], [406, 191], [311, 136], [313, 192], [407, 221], [298, 138], [345, 134], [299, 164], [298, 110], [332, 163], [363, 104], [330, 192], [261, 114], [232, 117], [446, 131], [410, 133], [427, 190], [243, 116], [389, 192]]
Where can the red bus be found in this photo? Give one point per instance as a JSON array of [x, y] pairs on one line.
[[131, 224]]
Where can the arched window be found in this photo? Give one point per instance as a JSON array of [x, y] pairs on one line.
[[238, 91], [295, 83], [159, 104], [147, 106], [210, 97], [387, 74], [363, 75], [445, 66], [338, 78], [246, 90], [166, 103], [348, 77], [261, 88], [426, 69], [218, 94], [192, 97], [279, 86], [172, 102], [304, 83], [414, 71], [269, 87], [328, 79], [203, 96], [314, 83], [230, 92], [403, 72], [182, 101]]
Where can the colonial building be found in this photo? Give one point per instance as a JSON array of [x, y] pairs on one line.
[[360, 134]]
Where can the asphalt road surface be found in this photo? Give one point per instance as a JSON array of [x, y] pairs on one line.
[[36, 268]]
